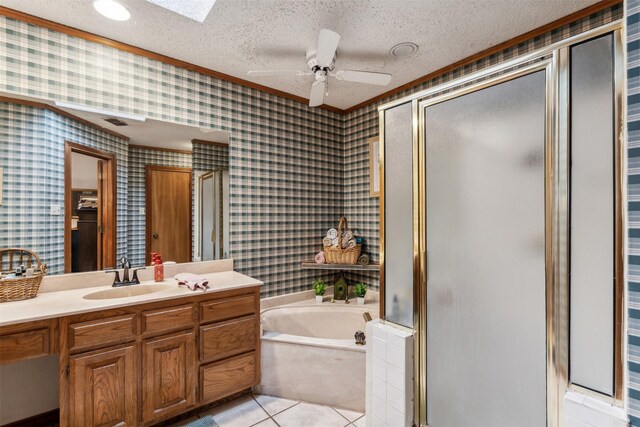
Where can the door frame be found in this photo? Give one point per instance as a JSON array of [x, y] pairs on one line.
[[556, 216], [149, 201], [107, 213]]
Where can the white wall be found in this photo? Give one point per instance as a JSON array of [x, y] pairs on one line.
[[37, 391]]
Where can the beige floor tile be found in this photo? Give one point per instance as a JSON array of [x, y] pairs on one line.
[[266, 423], [350, 415], [242, 412], [308, 415], [360, 422], [273, 405]]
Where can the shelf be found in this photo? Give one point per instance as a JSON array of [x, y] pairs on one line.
[[312, 265]]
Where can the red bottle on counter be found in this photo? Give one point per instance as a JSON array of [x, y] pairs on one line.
[[158, 268]]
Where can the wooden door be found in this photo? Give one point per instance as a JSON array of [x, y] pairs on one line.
[[169, 375], [101, 213], [103, 388], [169, 213], [106, 237]]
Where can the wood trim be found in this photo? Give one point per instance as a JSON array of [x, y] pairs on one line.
[[41, 22], [202, 141], [110, 202], [45, 419], [490, 51], [62, 113], [45, 23], [148, 201], [167, 150]]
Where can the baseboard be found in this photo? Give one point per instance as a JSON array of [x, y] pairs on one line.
[[46, 419]]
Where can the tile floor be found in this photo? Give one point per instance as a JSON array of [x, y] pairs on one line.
[[266, 411]]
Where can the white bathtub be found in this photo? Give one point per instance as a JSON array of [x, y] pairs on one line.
[[309, 353]]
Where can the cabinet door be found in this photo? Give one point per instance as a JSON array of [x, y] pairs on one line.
[[169, 375], [103, 388]]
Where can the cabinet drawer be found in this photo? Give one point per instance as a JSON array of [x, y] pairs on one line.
[[222, 379], [227, 308], [167, 319], [95, 333], [226, 339], [24, 345]]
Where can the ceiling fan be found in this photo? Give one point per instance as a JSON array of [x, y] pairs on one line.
[[321, 62]]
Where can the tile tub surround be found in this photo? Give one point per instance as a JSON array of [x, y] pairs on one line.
[[389, 377], [586, 411], [309, 353]]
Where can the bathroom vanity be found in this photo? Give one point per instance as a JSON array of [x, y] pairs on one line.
[[145, 358]]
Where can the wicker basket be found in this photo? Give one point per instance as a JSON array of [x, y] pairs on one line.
[[21, 287], [338, 255]]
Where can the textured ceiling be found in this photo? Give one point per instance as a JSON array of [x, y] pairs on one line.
[[242, 35]]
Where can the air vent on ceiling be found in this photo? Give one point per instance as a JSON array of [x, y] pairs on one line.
[[116, 122]]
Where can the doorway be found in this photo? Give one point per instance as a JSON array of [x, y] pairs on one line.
[[168, 213], [213, 215], [89, 209]]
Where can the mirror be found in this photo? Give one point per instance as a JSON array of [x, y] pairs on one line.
[[101, 185]]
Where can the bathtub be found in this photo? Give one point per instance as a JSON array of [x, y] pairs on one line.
[[309, 353]]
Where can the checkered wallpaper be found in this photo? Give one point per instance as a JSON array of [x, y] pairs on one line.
[[208, 157], [294, 170], [285, 158], [136, 195], [633, 177], [32, 155]]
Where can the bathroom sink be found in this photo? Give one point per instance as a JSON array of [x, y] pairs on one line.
[[127, 291]]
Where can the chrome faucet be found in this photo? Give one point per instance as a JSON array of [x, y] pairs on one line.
[[125, 265]]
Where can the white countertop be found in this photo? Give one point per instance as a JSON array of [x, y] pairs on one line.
[[48, 305]]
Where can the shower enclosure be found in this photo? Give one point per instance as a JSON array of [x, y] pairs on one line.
[[502, 247]]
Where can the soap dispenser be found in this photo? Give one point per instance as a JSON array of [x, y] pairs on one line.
[[158, 268]]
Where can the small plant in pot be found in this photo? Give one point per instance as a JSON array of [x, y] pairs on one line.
[[360, 289], [319, 288]]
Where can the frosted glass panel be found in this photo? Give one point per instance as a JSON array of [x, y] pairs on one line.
[[486, 341], [592, 210], [398, 215], [207, 225]]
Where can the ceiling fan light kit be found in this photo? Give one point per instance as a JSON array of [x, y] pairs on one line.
[[321, 62]]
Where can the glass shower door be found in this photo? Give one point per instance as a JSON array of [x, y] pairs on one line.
[[485, 243]]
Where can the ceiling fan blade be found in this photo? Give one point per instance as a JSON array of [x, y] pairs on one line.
[[276, 73], [317, 93], [327, 45], [380, 79]]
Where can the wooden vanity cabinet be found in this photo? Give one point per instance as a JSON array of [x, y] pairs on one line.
[[28, 340], [141, 365], [169, 375], [102, 387]]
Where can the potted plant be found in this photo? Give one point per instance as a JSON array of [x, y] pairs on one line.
[[319, 288], [360, 289]]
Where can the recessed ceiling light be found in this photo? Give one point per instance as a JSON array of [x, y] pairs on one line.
[[112, 9], [192, 9], [403, 50]]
